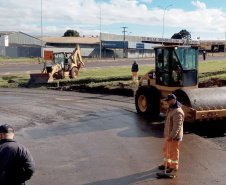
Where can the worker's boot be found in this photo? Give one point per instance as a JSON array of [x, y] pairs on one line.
[[170, 170], [162, 167]]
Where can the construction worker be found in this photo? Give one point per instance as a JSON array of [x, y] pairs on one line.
[[135, 69], [204, 54], [16, 162], [173, 134]]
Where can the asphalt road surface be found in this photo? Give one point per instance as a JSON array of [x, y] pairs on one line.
[[37, 68], [95, 139]]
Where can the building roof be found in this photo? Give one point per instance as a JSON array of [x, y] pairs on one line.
[[6, 32], [71, 40]]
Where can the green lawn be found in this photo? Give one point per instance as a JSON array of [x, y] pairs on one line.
[[22, 59], [92, 77]]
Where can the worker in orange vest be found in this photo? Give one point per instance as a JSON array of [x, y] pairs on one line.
[[173, 134]]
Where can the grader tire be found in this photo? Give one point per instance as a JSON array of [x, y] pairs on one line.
[[147, 101], [74, 73]]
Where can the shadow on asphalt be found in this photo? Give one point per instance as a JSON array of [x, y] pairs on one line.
[[130, 179], [132, 124], [207, 129]]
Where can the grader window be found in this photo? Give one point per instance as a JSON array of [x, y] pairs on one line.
[[168, 68], [188, 58], [162, 66], [163, 59]]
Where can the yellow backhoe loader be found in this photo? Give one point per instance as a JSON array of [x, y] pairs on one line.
[[176, 72], [64, 65]]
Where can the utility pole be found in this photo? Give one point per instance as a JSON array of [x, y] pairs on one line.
[[41, 34], [100, 31], [124, 38]]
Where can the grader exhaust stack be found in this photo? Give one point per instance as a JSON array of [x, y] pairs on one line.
[[176, 72]]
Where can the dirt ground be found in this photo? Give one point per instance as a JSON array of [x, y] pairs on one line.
[[213, 82], [128, 89]]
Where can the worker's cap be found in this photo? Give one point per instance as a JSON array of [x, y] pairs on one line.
[[170, 97], [6, 129], [135, 60]]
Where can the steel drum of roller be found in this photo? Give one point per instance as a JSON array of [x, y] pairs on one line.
[[202, 97]]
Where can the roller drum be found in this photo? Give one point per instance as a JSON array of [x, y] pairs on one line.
[[202, 97]]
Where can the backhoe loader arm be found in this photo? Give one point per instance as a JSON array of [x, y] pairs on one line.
[[77, 57]]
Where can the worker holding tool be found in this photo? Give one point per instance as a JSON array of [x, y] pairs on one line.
[[135, 69], [16, 162], [173, 134]]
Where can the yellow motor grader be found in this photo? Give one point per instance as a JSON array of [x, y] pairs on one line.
[[64, 64], [176, 71]]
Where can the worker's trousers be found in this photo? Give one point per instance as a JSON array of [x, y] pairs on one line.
[[135, 77], [172, 159]]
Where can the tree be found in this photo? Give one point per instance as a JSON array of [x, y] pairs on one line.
[[71, 33], [183, 34]]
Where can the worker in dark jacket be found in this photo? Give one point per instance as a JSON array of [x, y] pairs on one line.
[[16, 162], [135, 69]]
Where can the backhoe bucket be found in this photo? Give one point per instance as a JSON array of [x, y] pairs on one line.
[[41, 78], [203, 103]]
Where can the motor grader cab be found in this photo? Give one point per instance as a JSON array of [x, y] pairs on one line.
[[64, 64], [176, 71]]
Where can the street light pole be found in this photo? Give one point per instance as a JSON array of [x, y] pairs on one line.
[[163, 20], [41, 34], [100, 31], [224, 36]]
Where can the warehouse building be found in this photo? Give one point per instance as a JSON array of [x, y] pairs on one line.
[[213, 45], [18, 44], [114, 46], [90, 46]]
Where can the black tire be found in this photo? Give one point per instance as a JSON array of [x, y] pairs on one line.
[[74, 73], [61, 74], [147, 101]]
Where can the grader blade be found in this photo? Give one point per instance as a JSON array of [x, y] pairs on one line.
[[203, 103], [41, 78]]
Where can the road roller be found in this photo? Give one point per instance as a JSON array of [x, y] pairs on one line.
[[176, 71]]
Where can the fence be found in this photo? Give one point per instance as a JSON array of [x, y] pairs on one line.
[[15, 52]]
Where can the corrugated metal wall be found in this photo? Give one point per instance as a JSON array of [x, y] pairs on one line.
[[15, 52], [2, 50], [21, 38]]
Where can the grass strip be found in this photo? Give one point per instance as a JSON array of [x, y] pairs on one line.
[[21, 59], [106, 76]]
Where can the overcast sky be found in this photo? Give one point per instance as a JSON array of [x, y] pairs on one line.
[[205, 18]]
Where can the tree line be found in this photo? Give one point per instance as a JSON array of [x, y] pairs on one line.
[[183, 34]]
